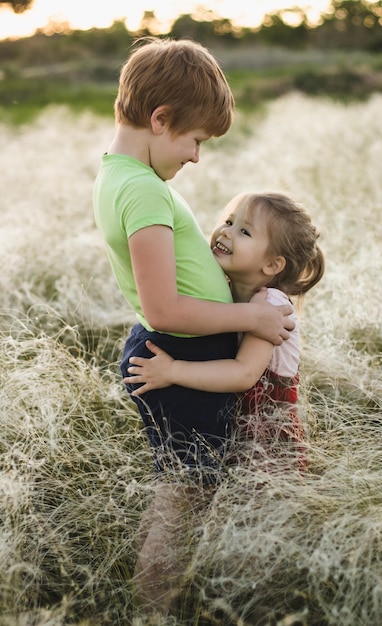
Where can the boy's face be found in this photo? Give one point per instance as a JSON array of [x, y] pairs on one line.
[[241, 245], [169, 152]]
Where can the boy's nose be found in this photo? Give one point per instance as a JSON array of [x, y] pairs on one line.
[[195, 157]]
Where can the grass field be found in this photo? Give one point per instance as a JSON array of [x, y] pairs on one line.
[[75, 471]]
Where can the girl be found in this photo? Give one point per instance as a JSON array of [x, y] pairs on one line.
[[265, 240]]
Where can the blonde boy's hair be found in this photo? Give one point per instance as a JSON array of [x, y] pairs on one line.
[[181, 74]]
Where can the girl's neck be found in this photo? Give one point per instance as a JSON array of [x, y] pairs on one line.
[[242, 292]]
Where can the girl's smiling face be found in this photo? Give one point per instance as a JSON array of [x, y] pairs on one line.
[[241, 246]]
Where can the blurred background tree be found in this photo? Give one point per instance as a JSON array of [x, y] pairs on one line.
[[18, 5], [346, 24]]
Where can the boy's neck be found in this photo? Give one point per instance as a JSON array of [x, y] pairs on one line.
[[132, 142]]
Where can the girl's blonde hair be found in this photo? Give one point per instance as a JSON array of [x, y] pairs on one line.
[[293, 236], [180, 74]]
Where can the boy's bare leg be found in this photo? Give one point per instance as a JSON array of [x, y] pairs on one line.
[[164, 547]]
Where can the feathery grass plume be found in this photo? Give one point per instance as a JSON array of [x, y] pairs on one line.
[[281, 544], [73, 462], [49, 242], [269, 549]]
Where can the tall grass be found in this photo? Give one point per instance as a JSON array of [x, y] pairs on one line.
[[75, 470]]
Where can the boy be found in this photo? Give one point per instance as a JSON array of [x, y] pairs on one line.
[[172, 96]]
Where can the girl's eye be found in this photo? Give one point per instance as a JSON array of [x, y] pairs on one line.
[[245, 232], [228, 222]]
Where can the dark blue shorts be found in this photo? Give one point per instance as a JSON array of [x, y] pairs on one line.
[[188, 429]]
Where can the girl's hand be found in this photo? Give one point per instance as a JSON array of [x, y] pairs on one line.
[[154, 373]]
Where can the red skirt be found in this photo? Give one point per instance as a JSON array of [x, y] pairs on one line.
[[268, 416]]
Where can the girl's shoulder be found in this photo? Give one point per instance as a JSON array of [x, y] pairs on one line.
[[286, 357], [277, 297]]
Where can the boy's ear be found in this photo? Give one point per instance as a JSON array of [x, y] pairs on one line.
[[159, 119], [274, 266]]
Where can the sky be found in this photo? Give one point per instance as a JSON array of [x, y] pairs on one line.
[[102, 14]]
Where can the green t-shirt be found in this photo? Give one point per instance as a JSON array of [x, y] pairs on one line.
[[128, 195]]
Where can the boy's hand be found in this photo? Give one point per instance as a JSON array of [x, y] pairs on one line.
[[154, 373], [274, 323]]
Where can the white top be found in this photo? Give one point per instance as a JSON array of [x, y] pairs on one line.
[[285, 358]]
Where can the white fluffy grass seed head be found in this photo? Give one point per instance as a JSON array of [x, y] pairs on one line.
[[72, 481]]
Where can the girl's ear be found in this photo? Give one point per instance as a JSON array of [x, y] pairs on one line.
[[274, 266], [159, 119]]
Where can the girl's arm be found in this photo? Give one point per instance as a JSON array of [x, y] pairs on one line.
[[232, 375], [153, 261]]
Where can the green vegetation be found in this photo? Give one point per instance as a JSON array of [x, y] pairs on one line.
[[92, 85], [22, 99]]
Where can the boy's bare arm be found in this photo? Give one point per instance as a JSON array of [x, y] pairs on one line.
[[232, 375], [153, 260]]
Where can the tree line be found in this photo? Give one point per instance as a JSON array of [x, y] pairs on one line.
[[346, 24]]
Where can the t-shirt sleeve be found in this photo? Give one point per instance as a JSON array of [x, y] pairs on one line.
[[145, 203], [286, 357]]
